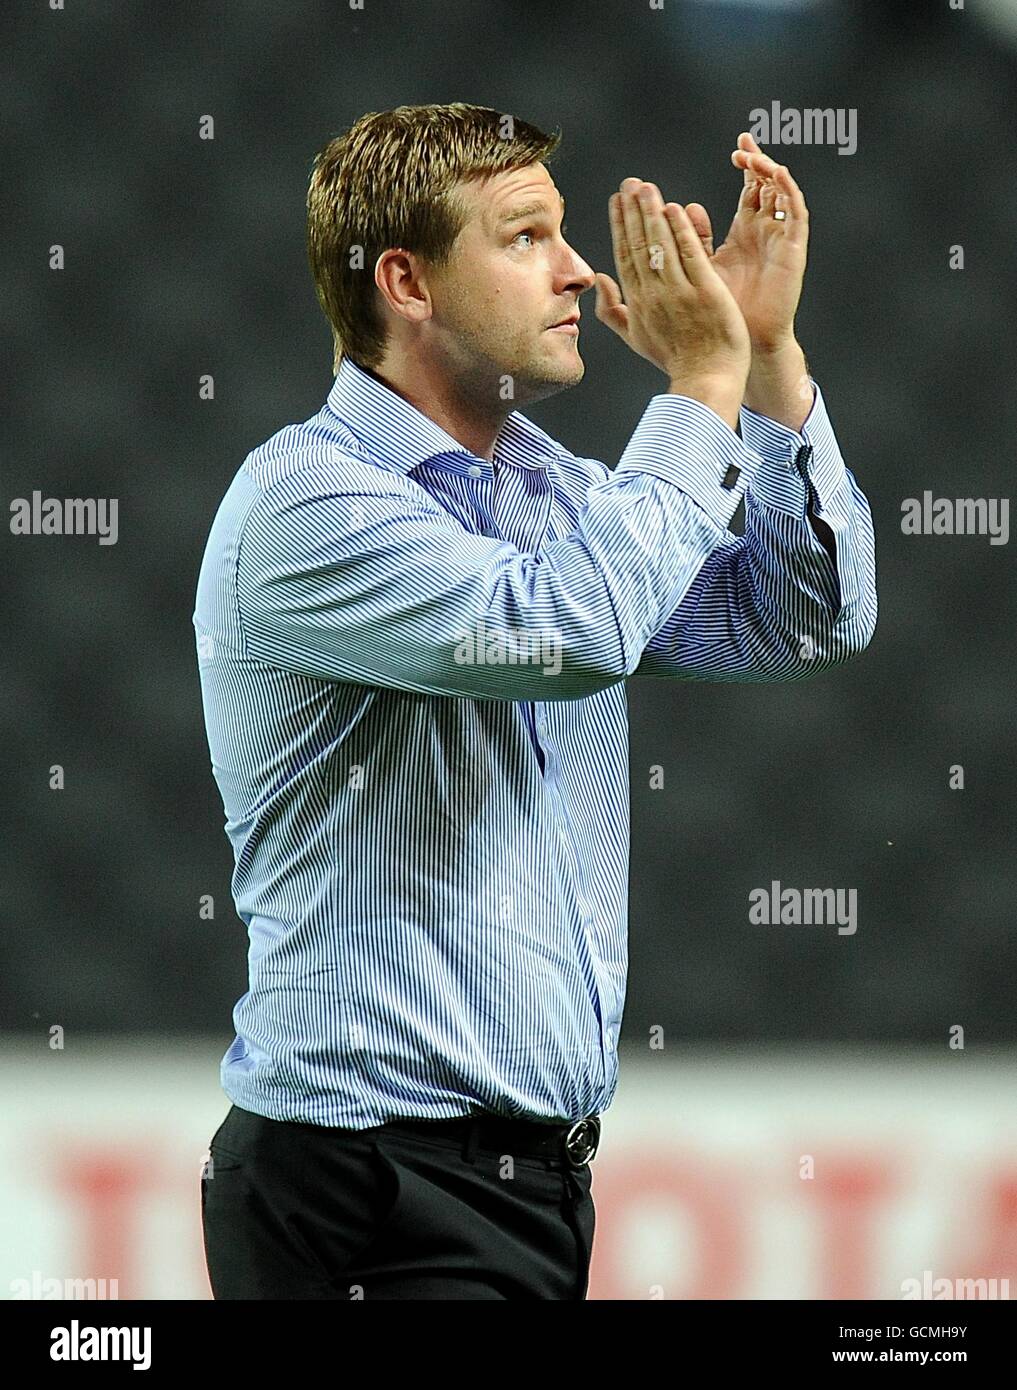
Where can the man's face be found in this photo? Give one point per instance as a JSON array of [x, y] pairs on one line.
[[511, 276]]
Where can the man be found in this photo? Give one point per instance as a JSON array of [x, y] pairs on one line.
[[415, 617]]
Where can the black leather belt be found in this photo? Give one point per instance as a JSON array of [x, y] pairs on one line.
[[573, 1144]]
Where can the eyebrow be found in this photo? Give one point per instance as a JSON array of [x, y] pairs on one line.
[[530, 210]]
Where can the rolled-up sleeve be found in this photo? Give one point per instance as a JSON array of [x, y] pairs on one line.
[[796, 593]]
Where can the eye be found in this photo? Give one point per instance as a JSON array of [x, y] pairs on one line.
[[532, 232]]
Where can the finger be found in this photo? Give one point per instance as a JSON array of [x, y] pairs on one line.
[[611, 295], [745, 144], [661, 252], [635, 236], [790, 198], [768, 197], [782, 193], [754, 160], [620, 245], [748, 199], [609, 307], [700, 219], [693, 258]]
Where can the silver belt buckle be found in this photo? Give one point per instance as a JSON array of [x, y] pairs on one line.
[[582, 1140]]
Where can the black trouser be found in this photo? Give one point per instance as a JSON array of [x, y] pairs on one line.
[[435, 1210]]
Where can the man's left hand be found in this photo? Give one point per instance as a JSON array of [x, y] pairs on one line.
[[762, 261]]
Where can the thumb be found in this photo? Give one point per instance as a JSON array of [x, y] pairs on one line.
[[609, 307]]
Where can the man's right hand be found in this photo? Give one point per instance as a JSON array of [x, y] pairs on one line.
[[677, 311]]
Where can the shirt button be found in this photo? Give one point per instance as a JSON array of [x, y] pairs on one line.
[[475, 470]]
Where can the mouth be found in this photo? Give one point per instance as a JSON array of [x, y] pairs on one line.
[[567, 325]]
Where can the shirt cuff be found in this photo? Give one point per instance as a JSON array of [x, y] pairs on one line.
[[794, 461], [685, 442]]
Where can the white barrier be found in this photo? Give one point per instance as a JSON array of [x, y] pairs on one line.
[[818, 1174]]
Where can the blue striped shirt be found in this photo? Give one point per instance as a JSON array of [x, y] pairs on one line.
[[412, 666]]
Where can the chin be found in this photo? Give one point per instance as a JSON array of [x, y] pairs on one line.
[[566, 369], [545, 375]]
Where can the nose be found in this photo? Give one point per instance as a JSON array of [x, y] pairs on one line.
[[576, 274]]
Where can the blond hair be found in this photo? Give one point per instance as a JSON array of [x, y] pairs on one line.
[[388, 182]]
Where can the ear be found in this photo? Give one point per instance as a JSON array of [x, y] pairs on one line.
[[399, 277]]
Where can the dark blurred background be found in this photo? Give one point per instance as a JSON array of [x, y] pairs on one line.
[[185, 257]]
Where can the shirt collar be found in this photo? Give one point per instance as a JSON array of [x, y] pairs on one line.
[[399, 436]]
